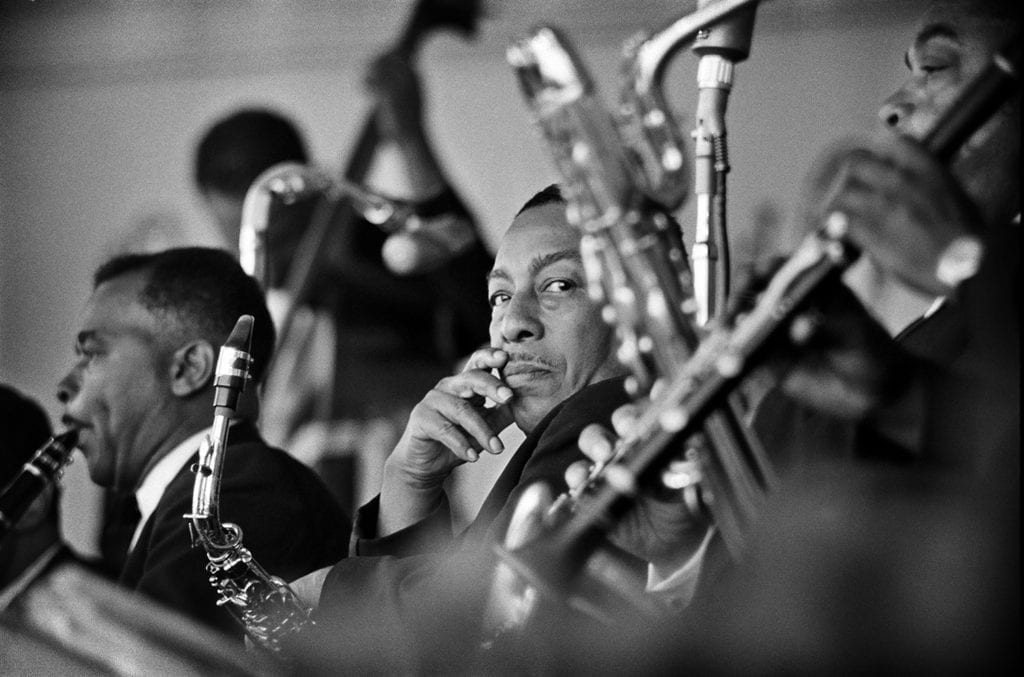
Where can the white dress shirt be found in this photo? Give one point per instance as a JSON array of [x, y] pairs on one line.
[[154, 484]]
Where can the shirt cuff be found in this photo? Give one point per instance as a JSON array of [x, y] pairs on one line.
[[678, 587], [432, 533]]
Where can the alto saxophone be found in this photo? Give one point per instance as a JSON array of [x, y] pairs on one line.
[[269, 610], [43, 469]]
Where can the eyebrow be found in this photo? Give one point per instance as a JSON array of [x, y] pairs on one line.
[[540, 262], [932, 32]]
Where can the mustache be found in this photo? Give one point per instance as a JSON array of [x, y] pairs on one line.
[[528, 358]]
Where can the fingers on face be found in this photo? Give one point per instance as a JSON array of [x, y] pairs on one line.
[[459, 426], [486, 359], [475, 384]]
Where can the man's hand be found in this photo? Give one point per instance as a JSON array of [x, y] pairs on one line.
[[839, 360], [901, 207], [450, 426], [660, 528]]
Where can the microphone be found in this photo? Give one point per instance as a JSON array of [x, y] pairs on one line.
[[719, 47], [730, 38]]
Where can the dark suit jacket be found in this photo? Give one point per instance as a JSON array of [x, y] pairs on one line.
[[290, 523], [966, 357], [417, 596]]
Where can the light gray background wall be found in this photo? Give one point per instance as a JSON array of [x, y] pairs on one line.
[[101, 102]]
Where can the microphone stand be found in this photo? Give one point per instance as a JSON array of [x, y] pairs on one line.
[[720, 47]]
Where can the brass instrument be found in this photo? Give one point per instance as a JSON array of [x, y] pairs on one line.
[[287, 182], [725, 356], [719, 32], [291, 182], [269, 610], [636, 266], [44, 468]]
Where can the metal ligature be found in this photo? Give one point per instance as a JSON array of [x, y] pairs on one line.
[[44, 468], [269, 610], [636, 266], [728, 354]]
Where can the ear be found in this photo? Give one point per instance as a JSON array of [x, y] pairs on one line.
[[192, 367]]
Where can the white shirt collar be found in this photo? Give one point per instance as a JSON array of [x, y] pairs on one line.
[[934, 307], [154, 484]]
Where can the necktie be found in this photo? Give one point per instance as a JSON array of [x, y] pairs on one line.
[[120, 517]]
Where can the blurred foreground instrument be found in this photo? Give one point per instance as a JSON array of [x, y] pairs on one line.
[[74, 622], [724, 357], [636, 264], [637, 268]]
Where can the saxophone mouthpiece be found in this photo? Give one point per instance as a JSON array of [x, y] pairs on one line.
[[233, 362], [241, 335]]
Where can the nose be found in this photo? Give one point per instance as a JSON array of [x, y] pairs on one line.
[[68, 387], [520, 320], [895, 110]]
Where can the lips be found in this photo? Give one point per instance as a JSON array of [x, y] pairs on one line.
[[521, 371], [82, 429]]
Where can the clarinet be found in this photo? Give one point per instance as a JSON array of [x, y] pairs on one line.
[[729, 353], [268, 609], [44, 468]]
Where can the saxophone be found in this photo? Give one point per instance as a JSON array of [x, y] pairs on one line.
[[620, 186], [730, 351], [637, 268], [269, 610], [43, 469], [720, 33]]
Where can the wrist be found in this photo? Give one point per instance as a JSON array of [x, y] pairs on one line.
[[406, 498], [402, 476]]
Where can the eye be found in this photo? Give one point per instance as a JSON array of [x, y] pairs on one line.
[[87, 352], [498, 298], [932, 68], [560, 286]]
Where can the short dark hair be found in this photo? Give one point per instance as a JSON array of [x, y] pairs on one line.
[[239, 147], [997, 9], [25, 428], [204, 291], [552, 193]]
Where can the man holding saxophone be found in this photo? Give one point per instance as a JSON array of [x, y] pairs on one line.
[[140, 395], [944, 502]]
